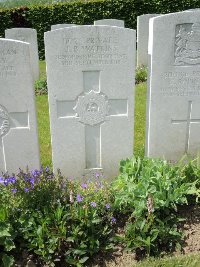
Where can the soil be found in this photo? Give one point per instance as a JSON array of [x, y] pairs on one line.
[[119, 258], [191, 229]]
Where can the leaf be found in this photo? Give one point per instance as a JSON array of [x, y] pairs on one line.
[[83, 259], [70, 239], [4, 231], [8, 261], [9, 244]]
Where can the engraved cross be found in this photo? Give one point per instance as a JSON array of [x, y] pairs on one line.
[[12, 120], [188, 122], [92, 108]]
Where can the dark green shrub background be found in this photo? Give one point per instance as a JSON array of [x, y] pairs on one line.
[[42, 17]]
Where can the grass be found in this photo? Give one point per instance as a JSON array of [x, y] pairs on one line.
[[44, 128], [192, 260], [140, 118], [43, 70]]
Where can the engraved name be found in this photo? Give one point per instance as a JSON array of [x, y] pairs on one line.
[[91, 51], [181, 84]]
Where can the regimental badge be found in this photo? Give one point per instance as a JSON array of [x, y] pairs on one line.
[[92, 108]]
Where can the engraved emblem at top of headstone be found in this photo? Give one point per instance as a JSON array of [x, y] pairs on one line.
[[187, 44], [92, 108], [4, 121]]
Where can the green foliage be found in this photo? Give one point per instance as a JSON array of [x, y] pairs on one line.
[[150, 191], [58, 219], [62, 221], [19, 3], [141, 74], [41, 17], [6, 240], [41, 87]]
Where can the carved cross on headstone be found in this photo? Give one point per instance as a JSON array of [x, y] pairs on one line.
[[12, 120], [188, 122], [92, 108]]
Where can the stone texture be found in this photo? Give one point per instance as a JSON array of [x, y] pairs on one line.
[[30, 36], [109, 22], [60, 26], [90, 75], [173, 121], [142, 38], [18, 126]]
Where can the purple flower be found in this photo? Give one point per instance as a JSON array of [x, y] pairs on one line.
[[26, 189], [107, 206], [84, 186], [6, 181], [47, 169], [12, 180], [93, 204], [113, 219], [32, 181], [35, 173], [97, 174], [1, 180], [14, 190], [79, 198]]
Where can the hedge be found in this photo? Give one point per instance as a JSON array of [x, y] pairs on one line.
[[41, 17]]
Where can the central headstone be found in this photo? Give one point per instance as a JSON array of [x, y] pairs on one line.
[[91, 96], [173, 125]]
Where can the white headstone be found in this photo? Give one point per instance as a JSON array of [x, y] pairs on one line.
[[109, 22], [30, 36], [60, 26], [142, 38], [173, 124], [90, 75], [18, 126]]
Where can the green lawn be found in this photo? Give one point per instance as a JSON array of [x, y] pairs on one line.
[[192, 260]]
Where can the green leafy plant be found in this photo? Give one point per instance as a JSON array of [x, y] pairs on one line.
[[150, 191], [141, 74], [6, 240], [41, 87], [58, 219]]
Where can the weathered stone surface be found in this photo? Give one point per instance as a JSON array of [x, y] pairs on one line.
[[91, 97], [109, 22], [30, 36], [173, 121], [60, 26], [143, 37], [18, 126]]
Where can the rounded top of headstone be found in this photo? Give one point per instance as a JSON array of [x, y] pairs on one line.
[[22, 29], [109, 22], [59, 26]]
